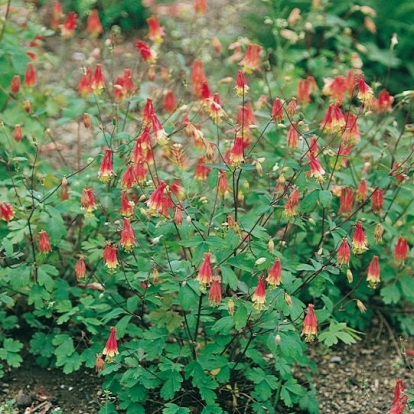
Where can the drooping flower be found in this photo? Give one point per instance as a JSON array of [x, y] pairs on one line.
[[17, 133], [200, 7], [127, 206], [148, 54], [160, 200], [373, 277], [310, 324], [316, 171], [215, 109], [201, 170], [128, 178], [197, 78], [383, 103], [351, 133], [64, 189], [80, 268], [205, 273], [111, 347], [365, 94], [88, 201], [6, 212], [274, 276], [346, 201], [127, 236], [97, 81], [378, 232], [69, 26], [377, 200], [156, 32], [84, 86], [241, 85], [334, 120], [178, 215], [359, 240], [236, 154], [259, 294], [335, 88], [169, 103], [361, 193], [15, 84], [160, 134], [401, 250], [93, 26], [291, 108], [106, 171], [30, 76], [44, 244], [292, 203], [109, 257], [214, 295], [400, 399], [148, 112], [292, 136], [304, 90], [250, 62], [344, 253], [57, 14], [223, 183], [277, 111]]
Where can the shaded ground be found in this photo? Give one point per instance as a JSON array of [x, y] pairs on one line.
[[356, 379]]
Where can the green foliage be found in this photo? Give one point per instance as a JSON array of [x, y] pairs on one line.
[[196, 283]]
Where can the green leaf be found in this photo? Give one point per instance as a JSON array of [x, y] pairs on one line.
[[171, 408], [187, 297], [390, 294], [229, 277], [171, 386], [224, 325], [240, 317], [309, 202], [325, 197]]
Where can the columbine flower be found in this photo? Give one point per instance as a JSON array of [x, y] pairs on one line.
[[201, 171], [169, 103], [148, 54], [84, 86], [44, 244], [97, 80], [205, 273], [128, 178], [215, 109], [127, 206], [6, 212], [159, 132], [111, 347], [127, 236], [384, 102], [365, 94], [223, 183], [197, 78], [373, 277], [274, 276], [64, 189], [344, 253], [292, 136], [333, 120], [351, 134], [148, 112], [378, 232], [57, 14], [250, 62], [200, 7], [109, 257], [80, 268], [236, 156], [156, 32], [291, 108], [69, 26], [277, 111], [359, 241], [377, 200], [93, 25], [88, 201], [241, 85], [30, 76], [160, 200], [400, 401], [310, 324], [346, 201], [305, 88], [106, 170], [361, 194], [259, 294], [401, 250], [15, 84], [214, 295], [316, 169]]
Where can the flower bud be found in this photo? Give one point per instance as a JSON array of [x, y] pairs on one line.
[[99, 363], [277, 340], [155, 277], [378, 232], [349, 276], [271, 246], [17, 134], [288, 300], [86, 120], [215, 42], [230, 307], [361, 306], [64, 190], [27, 106], [151, 73], [260, 261]]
